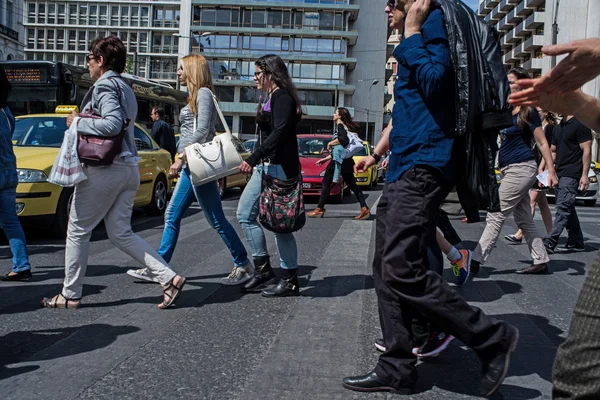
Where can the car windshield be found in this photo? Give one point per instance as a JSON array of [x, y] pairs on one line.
[[40, 131], [362, 153], [313, 147], [249, 145]]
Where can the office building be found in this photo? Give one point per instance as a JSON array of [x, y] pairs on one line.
[[335, 51], [521, 25], [11, 30], [62, 31]]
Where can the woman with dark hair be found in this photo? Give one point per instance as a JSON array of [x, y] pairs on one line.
[[109, 191], [9, 222], [276, 154], [537, 195], [344, 124], [519, 170]]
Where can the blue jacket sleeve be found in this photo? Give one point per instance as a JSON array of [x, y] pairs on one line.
[[427, 55]]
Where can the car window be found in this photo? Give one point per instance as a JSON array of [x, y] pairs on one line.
[[40, 131], [312, 147], [249, 145], [363, 152], [142, 141]]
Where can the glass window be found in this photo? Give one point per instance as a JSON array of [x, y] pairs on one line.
[[258, 18], [143, 46], [307, 71], [135, 16], [51, 13], [73, 14], [309, 45], [223, 17], [246, 42], [142, 141], [208, 17], [145, 14], [287, 19], [60, 39], [224, 93], [222, 42], [61, 14], [42, 13], [247, 17], [31, 13], [274, 44], [124, 15], [235, 17], [72, 40], [93, 14], [249, 95], [258, 43], [338, 23], [311, 20], [326, 20], [50, 40], [285, 44], [114, 15], [298, 19], [234, 42], [323, 71], [325, 46], [103, 17], [297, 44], [337, 46], [274, 19]]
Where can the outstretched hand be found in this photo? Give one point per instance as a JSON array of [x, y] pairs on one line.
[[566, 103], [581, 65]]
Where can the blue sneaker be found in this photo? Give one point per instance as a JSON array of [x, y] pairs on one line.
[[462, 267]]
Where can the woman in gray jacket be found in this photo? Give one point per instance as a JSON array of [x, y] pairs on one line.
[[198, 120], [108, 192]]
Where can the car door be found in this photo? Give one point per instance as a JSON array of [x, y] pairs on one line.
[[147, 156]]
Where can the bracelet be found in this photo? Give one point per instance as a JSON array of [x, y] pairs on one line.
[[376, 156]]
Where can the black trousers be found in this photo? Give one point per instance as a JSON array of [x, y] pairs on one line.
[[405, 286], [348, 179]]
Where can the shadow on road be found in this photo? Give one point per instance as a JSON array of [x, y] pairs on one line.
[[32, 346]]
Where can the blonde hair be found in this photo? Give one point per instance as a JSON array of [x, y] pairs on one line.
[[198, 76]]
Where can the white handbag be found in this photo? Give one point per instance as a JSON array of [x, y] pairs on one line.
[[215, 159]]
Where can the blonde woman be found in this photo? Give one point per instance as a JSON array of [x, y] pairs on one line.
[[194, 73]]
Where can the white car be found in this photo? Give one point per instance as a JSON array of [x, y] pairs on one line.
[[590, 196]]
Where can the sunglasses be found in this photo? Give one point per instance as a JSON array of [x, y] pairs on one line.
[[391, 4], [89, 57]]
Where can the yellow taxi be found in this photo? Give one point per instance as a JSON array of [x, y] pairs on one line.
[[38, 138], [369, 177], [238, 180]]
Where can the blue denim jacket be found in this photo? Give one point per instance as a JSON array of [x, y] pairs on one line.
[[8, 161]]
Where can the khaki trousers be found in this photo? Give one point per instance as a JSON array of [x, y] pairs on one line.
[[514, 198], [107, 194]]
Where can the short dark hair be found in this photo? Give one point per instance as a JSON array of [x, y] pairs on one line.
[[112, 50], [159, 111], [5, 88]]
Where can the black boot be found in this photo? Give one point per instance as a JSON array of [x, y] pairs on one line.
[[263, 276], [287, 286]]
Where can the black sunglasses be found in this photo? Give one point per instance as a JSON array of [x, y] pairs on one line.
[[89, 57], [391, 4]]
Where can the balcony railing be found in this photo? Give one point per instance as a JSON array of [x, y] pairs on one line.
[[535, 42], [5, 30], [535, 21]]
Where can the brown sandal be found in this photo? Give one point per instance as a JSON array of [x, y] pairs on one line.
[[53, 302], [174, 295]]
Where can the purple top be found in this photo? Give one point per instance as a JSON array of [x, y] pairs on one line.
[[267, 106]]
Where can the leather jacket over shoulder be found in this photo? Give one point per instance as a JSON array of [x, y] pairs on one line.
[[482, 87]]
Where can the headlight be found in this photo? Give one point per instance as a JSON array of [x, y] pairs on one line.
[[593, 179], [322, 173], [31, 176]]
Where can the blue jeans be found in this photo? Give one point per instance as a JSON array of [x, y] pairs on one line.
[[9, 222], [247, 215], [210, 200]]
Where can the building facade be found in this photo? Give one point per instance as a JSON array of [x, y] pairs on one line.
[[522, 28], [11, 30], [334, 49], [62, 31]]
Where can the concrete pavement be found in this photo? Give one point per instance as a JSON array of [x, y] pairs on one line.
[[220, 344]]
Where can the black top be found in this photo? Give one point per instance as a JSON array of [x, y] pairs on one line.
[[348, 164], [163, 134], [277, 137], [567, 137]]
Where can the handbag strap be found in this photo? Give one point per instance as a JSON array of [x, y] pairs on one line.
[[119, 94], [225, 125]]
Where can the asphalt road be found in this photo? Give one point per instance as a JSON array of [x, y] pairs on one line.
[[219, 344]]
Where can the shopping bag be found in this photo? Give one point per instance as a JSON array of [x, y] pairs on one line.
[[67, 170]]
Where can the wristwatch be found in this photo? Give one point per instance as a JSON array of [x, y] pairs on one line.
[[376, 156]]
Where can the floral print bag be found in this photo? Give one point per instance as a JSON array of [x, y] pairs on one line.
[[281, 204]]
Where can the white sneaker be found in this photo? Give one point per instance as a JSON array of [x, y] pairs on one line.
[[239, 275], [143, 274]]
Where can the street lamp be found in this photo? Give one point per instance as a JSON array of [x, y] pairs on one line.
[[373, 83]]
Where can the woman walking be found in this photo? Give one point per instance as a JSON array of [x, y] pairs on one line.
[[9, 222], [537, 195], [276, 154], [197, 121], [519, 170], [344, 122], [108, 192]]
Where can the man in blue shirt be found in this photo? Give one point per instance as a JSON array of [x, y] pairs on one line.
[[419, 176]]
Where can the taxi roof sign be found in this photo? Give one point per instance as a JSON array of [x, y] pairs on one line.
[[66, 109]]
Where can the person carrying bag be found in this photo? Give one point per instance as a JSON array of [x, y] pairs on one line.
[[273, 195]]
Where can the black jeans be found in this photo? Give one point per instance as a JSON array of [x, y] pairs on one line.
[[566, 215], [348, 179], [406, 287]]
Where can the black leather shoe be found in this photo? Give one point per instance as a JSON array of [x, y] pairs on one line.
[[263, 276], [495, 368], [371, 383], [287, 286], [535, 269], [23, 276]]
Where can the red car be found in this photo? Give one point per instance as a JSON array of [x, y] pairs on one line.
[[311, 148]]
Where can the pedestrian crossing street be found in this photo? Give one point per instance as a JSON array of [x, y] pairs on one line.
[[220, 344]]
